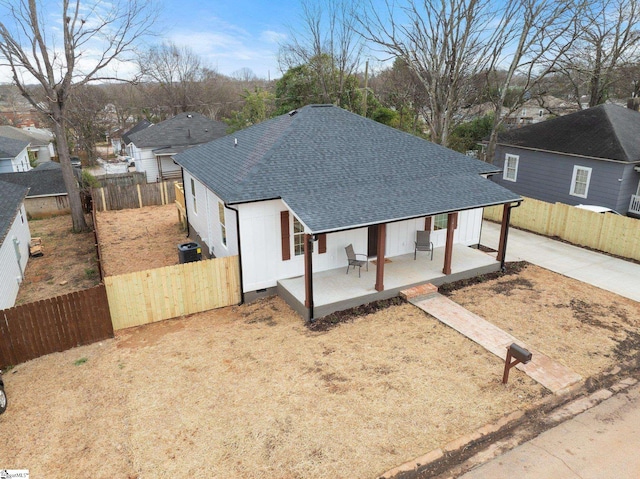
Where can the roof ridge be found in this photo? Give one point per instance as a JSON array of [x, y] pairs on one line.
[[614, 128]]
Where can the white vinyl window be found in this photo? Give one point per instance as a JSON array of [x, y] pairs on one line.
[[580, 181], [223, 225], [440, 222], [193, 195], [298, 237], [510, 167]]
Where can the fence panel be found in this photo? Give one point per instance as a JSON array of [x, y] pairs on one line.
[[119, 197], [610, 233], [163, 293], [32, 330]]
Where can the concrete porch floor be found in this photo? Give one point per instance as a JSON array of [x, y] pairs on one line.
[[334, 290]]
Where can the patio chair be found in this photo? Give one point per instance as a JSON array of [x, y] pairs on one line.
[[423, 243], [354, 261]]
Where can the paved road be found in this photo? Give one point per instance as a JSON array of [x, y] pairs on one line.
[[601, 443], [615, 275]]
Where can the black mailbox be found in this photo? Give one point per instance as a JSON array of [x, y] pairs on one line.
[[520, 353]]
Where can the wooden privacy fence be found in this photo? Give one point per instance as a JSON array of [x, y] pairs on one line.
[[52, 325], [610, 233], [163, 293], [120, 197]]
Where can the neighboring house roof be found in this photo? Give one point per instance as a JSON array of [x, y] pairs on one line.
[[44, 180], [185, 129], [604, 131], [10, 147], [11, 198], [35, 138], [141, 125], [338, 170]]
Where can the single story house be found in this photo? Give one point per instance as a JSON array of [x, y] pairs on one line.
[[40, 141], [588, 157], [47, 192], [288, 195], [14, 241], [152, 147], [14, 155]]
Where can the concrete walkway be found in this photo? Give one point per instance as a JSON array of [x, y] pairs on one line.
[[612, 274], [550, 374]]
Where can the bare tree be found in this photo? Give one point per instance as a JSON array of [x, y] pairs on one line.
[[534, 35], [177, 72], [607, 38], [328, 43], [444, 42], [33, 50]]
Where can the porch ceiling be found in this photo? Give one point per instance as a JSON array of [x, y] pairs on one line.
[[335, 286]]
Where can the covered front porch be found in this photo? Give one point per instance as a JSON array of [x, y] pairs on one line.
[[334, 290]]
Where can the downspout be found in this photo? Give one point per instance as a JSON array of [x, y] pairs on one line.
[[506, 234], [239, 251]]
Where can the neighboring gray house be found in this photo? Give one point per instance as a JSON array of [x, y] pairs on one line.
[[40, 141], [288, 195], [13, 155], [47, 193], [588, 157], [153, 146], [14, 241]]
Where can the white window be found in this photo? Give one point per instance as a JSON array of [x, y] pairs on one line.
[[223, 225], [580, 181], [510, 167], [298, 237], [193, 195], [440, 222]]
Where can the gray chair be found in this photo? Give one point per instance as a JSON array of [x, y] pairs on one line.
[[423, 243], [354, 261]]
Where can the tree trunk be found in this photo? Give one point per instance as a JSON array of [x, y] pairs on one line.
[[75, 202]]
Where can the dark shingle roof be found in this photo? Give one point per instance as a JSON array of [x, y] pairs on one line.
[[45, 180], [182, 130], [604, 131], [10, 147], [338, 170], [11, 198], [141, 125]]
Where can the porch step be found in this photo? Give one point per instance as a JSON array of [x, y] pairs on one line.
[[549, 373], [425, 289]]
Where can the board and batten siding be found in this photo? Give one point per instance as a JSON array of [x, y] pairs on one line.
[[205, 219], [547, 176], [14, 254], [262, 263]]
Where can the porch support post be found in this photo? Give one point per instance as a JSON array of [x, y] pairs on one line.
[[308, 274], [382, 236], [504, 233], [452, 222]]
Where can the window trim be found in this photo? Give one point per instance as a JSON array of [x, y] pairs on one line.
[[572, 190], [223, 223], [297, 236], [436, 226], [193, 196], [505, 172]]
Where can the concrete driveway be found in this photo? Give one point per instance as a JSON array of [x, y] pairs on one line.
[[606, 272]]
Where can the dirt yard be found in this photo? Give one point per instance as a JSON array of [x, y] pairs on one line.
[[139, 239], [250, 392], [585, 328], [69, 261]]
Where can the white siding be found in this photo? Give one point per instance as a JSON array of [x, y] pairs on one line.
[[262, 264], [15, 244], [205, 221], [145, 162]]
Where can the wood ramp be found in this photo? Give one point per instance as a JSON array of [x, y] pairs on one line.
[[549, 373]]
